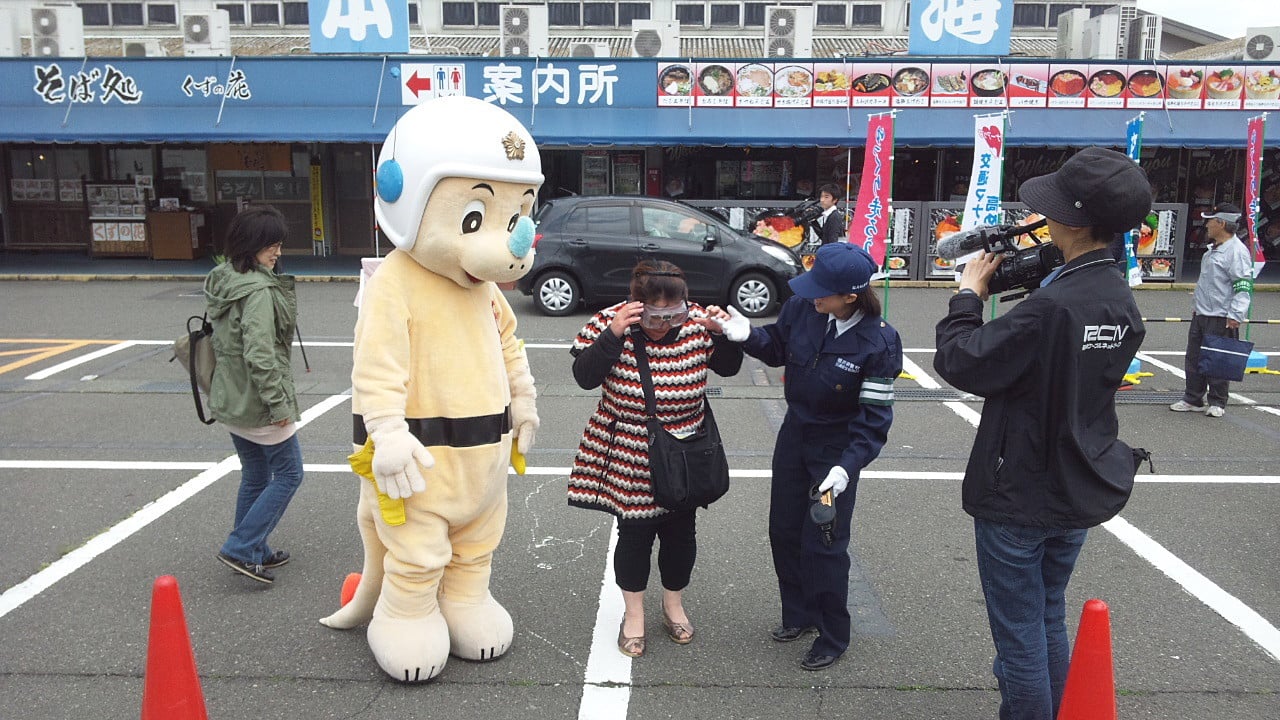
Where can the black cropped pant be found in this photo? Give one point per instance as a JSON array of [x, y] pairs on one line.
[[677, 549]]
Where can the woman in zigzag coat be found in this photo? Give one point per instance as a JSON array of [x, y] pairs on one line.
[[611, 470]]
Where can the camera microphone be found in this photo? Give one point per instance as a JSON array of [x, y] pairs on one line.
[[991, 238]]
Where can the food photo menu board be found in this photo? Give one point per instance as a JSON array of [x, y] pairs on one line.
[[968, 85]]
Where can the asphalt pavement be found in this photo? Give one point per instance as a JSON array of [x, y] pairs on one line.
[[109, 481]]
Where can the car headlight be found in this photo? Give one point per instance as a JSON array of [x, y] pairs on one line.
[[780, 254]]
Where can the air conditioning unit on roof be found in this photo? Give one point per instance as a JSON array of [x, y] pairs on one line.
[[788, 32], [142, 48], [206, 34], [1262, 43], [655, 38], [57, 31], [523, 31], [590, 49]]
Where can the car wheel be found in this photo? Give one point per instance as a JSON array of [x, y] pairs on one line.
[[754, 295], [556, 294]]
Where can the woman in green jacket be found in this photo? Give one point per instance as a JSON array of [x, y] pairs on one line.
[[253, 310]]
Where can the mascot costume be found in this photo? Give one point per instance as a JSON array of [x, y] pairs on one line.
[[440, 384]]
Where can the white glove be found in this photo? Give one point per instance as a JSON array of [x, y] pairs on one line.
[[396, 457], [524, 419], [737, 328], [837, 481]]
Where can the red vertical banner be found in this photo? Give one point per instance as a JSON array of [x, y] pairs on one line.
[[1252, 173], [870, 225]]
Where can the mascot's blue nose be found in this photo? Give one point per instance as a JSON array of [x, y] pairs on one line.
[[522, 237]]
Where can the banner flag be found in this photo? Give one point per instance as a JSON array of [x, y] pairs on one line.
[[1252, 200], [960, 27], [1133, 134], [984, 205], [870, 225]]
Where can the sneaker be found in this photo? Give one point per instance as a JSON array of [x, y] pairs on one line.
[[276, 559], [1215, 411], [257, 572], [1184, 406]]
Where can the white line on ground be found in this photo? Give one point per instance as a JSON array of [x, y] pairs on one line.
[[82, 359], [1146, 357], [1254, 626], [1228, 606], [19, 594], [741, 474], [606, 684]]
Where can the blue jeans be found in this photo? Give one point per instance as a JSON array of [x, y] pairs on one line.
[[1024, 572], [269, 475]]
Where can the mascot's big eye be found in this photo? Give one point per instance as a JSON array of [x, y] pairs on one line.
[[472, 217], [512, 224]]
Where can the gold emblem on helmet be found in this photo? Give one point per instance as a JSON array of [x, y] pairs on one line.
[[514, 145]]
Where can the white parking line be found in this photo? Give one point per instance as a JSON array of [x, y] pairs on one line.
[[82, 359], [19, 594], [606, 684], [1178, 372], [1254, 626]]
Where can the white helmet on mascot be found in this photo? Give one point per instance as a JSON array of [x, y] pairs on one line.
[[445, 137]]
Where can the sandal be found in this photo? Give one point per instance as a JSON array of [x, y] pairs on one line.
[[680, 633], [630, 646]]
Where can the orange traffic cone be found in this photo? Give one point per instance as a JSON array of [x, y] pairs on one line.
[[171, 688], [1090, 693]]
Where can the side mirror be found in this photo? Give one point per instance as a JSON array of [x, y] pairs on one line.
[[712, 237]]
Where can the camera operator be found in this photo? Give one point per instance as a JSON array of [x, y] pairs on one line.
[[1046, 464]]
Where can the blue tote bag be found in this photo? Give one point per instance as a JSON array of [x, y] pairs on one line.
[[1223, 358]]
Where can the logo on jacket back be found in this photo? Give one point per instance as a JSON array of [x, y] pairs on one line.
[[1104, 337]]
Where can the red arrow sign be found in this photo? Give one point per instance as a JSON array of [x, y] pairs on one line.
[[416, 83]]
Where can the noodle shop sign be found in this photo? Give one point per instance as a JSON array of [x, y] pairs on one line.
[[990, 84]]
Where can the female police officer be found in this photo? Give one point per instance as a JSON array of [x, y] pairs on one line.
[[841, 360]]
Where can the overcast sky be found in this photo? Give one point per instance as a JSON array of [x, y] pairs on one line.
[[1228, 18]]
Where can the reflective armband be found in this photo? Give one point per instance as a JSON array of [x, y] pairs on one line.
[[1242, 285], [876, 391]]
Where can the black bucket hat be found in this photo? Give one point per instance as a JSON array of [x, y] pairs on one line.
[[1095, 187]]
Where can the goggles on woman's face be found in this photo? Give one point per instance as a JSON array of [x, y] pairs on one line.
[[657, 317]]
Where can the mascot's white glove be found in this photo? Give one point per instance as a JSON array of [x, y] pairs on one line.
[[737, 328], [524, 420], [837, 481], [396, 457]]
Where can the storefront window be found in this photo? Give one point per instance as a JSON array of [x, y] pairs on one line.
[[184, 174], [126, 163]]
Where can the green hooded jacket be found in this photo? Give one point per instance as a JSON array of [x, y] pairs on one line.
[[253, 316]]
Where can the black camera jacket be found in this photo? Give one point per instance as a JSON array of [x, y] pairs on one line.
[[1047, 452]]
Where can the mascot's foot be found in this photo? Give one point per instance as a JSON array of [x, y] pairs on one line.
[[410, 650], [357, 607], [480, 631]]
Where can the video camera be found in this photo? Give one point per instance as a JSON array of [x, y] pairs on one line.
[[1021, 268]]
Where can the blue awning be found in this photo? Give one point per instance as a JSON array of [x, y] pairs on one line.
[[580, 103]]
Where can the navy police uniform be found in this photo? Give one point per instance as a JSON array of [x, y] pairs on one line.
[[839, 392]]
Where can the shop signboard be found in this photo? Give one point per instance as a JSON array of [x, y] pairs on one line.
[[1028, 86], [368, 26], [960, 27], [871, 84], [831, 85], [950, 85]]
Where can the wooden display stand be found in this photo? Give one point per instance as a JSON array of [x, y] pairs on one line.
[[177, 235]]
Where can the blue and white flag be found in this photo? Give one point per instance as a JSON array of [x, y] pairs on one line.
[[1133, 143], [960, 27], [359, 26]]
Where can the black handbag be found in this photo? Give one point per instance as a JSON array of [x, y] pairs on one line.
[[686, 472]]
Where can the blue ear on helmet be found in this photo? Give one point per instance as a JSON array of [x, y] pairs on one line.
[[390, 180]]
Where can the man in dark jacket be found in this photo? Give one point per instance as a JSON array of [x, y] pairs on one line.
[[1046, 464], [832, 224]]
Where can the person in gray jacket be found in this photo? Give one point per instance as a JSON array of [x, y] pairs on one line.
[[254, 311], [1222, 297]]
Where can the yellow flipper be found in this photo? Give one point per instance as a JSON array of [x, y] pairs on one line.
[[362, 464]]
